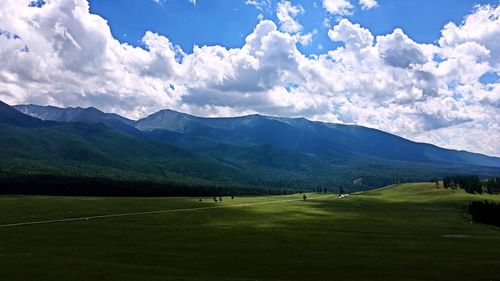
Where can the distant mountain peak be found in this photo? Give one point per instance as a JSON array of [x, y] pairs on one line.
[[79, 114], [11, 116], [326, 140]]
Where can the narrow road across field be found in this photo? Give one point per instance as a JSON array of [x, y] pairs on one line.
[[160, 212]]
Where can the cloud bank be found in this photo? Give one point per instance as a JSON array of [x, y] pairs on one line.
[[61, 54]]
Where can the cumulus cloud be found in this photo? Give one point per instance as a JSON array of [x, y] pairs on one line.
[[398, 50], [368, 4], [338, 7], [482, 27], [61, 54], [353, 35], [286, 13]]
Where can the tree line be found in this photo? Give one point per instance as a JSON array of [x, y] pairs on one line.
[[485, 212], [472, 184], [95, 186]]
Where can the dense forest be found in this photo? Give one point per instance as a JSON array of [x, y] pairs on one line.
[[485, 212], [473, 184], [88, 152], [92, 186]]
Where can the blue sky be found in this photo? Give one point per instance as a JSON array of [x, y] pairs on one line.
[[228, 22], [426, 70]]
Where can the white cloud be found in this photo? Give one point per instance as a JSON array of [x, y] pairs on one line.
[[286, 13], [306, 39], [482, 27], [261, 5], [338, 7], [398, 50], [368, 4], [353, 35], [62, 54]]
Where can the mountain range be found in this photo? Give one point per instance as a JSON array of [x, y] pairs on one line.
[[247, 151]]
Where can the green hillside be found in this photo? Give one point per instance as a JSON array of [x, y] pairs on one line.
[[94, 150], [85, 150], [258, 152], [89, 152], [405, 232]]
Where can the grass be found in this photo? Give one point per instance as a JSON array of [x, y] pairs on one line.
[[406, 232]]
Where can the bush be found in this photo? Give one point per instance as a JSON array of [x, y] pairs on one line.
[[485, 212]]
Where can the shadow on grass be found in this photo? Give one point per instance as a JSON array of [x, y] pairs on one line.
[[356, 238]]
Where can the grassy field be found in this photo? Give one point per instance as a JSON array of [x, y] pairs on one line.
[[406, 232]]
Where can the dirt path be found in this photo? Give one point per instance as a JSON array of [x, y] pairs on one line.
[[159, 212]]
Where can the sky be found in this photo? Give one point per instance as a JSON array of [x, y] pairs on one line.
[[425, 70]]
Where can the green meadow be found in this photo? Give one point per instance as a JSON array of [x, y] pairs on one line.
[[405, 232]]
